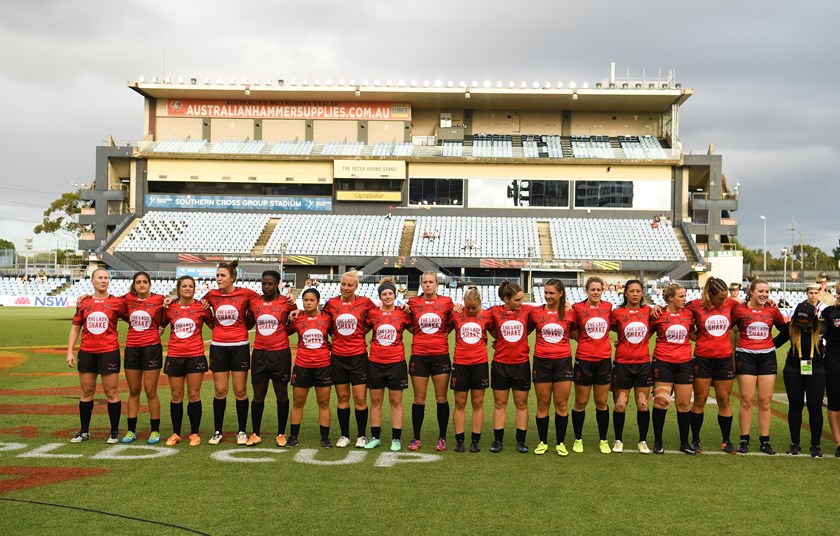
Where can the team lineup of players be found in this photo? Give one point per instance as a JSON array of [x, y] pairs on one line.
[[332, 352]]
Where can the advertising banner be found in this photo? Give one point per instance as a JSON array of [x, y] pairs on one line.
[[233, 202], [241, 109]]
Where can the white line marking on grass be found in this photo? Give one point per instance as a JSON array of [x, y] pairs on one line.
[[5, 447], [44, 452], [308, 456], [133, 452], [390, 459], [234, 455]]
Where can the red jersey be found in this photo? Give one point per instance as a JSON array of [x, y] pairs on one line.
[[756, 327], [633, 329], [386, 345], [270, 319], [713, 327], [672, 343], [471, 337], [348, 336], [98, 318], [144, 318], [552, 340], [510, 334], [593, 327], [430, 318], [185, 337], [313, 349], [230, 309]]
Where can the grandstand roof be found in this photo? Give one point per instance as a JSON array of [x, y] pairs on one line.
[[593, 99]]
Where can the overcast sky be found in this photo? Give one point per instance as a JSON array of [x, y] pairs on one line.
[[765, 75]]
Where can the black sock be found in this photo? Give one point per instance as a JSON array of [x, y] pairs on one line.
[[658, 423], [282, 415], [242, 414], [764, 439], [155, 424], [85, 412], [459, 437], [696, 425], [176, 415], [194, 413], [542, 428], [578, 417], [219, 405], [375, 432], [114, 410], [683, 423], [418, 411], [361, 421], [257, 409], [396, 433], [725, 424], [475, 437], [325, 432], [294, 429], [618, 424], [561, 424], [443, 418], [132, 424], [499, 435], [343, 421], [520, 434], [602, 417], [745, 437], [643, 422]]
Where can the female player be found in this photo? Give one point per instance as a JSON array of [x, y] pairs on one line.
[[553, 371], [804, 375], [386, 367], [99, 352], [713, 359], [143, 353], [429, 356], [229, 357], [272, 357], [185, 359], [631, 322], [672, 368], [312, 366], [831, 324], [510, 370], [755, 361], [592, 362], [469, 372]]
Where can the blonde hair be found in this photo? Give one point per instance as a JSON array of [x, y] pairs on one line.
[[472, 293], [670, 291], [796, 338], [713, 286]]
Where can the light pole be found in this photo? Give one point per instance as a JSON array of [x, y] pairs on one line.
[[784, 275], [765, 243], [283, 246]]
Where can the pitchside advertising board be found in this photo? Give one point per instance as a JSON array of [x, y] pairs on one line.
[[38, 301], [232, 202]]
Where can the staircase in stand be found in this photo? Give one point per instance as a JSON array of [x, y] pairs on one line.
[[262, 241]]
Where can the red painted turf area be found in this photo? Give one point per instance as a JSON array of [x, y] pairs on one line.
[[33, 477]]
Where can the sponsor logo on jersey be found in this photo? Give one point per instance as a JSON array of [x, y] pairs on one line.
[[313, 339], [758, 331], [471, 333], [596, 327], [183, 328], [717, 325], [512, 330], [635, 332], [227, 315], [267, 325], [552, 333], [676, 334], [140, 320], [97, 323], [429, 323], [346, 324], [386, 334]]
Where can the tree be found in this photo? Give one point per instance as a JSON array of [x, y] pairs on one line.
[[6, 244], [63, 216]]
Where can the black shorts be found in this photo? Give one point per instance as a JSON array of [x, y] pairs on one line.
[[676, 373], [467, 377], [312, 377], [714, 368], [763, 364], [516, 377], [429, 365], [350, 369], [179, 367], [274, 365], [143, 357], [394, 376], [832, 382], [628, 375], [553, 370], [229, 358], [593, 372], [104, 363]]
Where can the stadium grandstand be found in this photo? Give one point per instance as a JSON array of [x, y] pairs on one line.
[[474, 181]]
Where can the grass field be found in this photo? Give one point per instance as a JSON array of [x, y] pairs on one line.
[[234, 490]]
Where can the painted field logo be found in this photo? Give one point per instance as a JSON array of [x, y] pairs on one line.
[[552, 333], [471, 333], [758, 331], [97, 323], [429, 323], [227, 315], [183, 328], [140, 320], [512, 330], [596, 327], [266, 325], [717, 325], [676, 334], [635, 332], [386, 334], [313, 339], [346, 324]]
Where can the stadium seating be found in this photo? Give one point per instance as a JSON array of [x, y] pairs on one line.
[[195, 232], [293, 147], [614, 239], [452, 148], [542, 145], [641, 147], [14, 286], [237, 147], [454, 236], [384, 148], [592, 147], [492, 145], [180, 146], [336, 235], [343, 148]]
